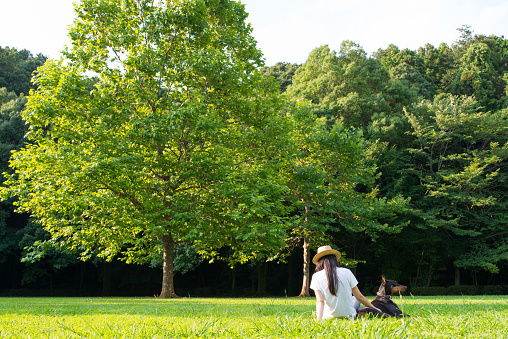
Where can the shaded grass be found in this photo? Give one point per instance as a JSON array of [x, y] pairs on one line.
[[431, 317]]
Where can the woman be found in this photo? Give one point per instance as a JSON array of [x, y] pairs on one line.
[[333, 286]]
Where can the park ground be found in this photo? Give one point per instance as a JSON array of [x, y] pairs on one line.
[[431, 317]]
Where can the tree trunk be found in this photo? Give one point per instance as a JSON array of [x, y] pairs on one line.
[[429, 276], [233, 279], [106, 279], [415, 283], [262, 269], [168, 287], [457, 276], [475, 278], [51, 283], [306, 268], [289, 290], [82, 276]]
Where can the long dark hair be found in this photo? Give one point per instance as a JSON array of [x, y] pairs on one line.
[[329, 264]]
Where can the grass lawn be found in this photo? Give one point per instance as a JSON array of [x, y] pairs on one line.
[[431, 317]]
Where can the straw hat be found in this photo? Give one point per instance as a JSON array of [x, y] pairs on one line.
[[325, 250]]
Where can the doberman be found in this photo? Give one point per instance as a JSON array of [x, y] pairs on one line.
[[384, 300]]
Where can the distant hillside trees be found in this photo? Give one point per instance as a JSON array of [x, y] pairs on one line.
[[16, 68], [436, 123]]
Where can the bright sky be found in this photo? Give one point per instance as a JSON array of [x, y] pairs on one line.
[[287, 30]]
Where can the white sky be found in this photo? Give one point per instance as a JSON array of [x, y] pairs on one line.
[[287, 30]]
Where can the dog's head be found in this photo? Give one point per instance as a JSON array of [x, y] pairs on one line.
[[391, 286]]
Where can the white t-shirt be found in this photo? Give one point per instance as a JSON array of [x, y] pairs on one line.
[[341, 304]]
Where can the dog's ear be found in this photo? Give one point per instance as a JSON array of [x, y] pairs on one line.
[[383, 278]]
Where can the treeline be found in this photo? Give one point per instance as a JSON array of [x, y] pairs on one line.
[[434, 124]]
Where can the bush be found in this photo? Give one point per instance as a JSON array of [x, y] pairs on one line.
[[432, 290], [491, 290], [462, 290], [31, 292]]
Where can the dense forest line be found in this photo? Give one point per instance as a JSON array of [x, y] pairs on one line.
[[434, 126]]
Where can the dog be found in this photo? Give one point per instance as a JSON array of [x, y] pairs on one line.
[[384, 301]]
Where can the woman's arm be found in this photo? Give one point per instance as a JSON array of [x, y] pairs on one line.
[[359, 296], [320, 304]]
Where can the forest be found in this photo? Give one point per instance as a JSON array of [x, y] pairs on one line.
[[398, 159]]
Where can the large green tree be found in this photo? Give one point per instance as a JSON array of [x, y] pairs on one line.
[[179, 140]]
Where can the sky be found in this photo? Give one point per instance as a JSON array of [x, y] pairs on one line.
[[288, 30]]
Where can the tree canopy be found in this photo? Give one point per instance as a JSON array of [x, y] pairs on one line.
[[178, 140]]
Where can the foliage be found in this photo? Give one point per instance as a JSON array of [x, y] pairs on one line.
[[321, 176], [493, 289], [41, 260], [283, 72], [12, 132], [456, 290], [439, 64], [186, 258], [324, 173], [477, 76], [347, 85], [179, 140], [12, 126], [460, 163], [448, 157], [17, 232], [16, 68], [429, 291], [462, 290]]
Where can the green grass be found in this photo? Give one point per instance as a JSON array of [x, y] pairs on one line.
[[431, 317]]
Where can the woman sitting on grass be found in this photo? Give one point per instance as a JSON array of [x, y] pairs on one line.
[[333, 286]]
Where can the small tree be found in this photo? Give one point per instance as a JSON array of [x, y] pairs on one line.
[[179, 140], [346, 90]]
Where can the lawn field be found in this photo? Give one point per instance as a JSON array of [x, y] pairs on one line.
[[431, 317]]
